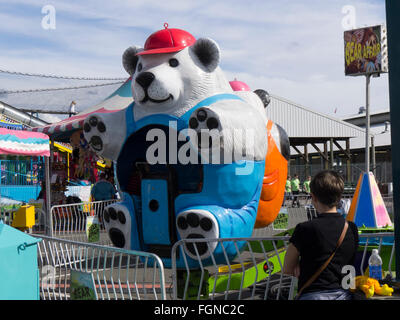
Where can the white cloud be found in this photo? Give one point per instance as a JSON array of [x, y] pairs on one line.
[[291, 48]]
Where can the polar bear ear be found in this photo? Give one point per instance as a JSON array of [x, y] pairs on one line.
[[264, 96], [207, 52], [130, 59]]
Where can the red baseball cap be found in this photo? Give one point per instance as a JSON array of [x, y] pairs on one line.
[[167, 40]]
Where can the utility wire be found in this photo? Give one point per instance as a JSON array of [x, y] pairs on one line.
[[59, 89], [57, 77]]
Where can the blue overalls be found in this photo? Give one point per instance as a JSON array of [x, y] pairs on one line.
[[232, 199]]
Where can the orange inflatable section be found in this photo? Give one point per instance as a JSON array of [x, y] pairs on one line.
[[273, 189], [352, 210]]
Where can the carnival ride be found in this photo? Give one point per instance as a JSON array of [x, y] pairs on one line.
[[166, 201], [148, 203]]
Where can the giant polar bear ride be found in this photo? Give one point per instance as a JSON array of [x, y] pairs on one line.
[[185, 165]]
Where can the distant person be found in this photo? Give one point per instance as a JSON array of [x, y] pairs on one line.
[[42, 193], [313, 243], [295, 185], [306, 186], [102, 189], [288, 189]]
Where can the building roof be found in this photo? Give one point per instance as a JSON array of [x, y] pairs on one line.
[[301, 122], [378, 127], [376, 117]]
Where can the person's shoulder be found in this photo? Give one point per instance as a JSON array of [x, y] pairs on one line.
[[303, 234], [306, 225], [353, 226]]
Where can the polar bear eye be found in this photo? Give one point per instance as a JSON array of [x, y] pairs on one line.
[[139, 67], [173, 63]]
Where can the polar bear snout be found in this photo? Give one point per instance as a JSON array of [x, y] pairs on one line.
[[145, 79], [152, 89]]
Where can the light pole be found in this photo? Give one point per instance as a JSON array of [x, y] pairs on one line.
[[393, 25], [367, 122]]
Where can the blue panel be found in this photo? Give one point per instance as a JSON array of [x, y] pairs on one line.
[[365, 211], [18, 265], [123, 91], [20, 193], [155, 222], [224, 187]]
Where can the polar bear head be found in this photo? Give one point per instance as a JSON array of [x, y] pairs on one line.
[[173, 72]]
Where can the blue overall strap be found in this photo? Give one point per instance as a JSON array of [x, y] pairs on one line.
[[209, 101], [164, 119]]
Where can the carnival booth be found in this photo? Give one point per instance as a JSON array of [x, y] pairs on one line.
[[74, 170], [24, 143], [18, 251]]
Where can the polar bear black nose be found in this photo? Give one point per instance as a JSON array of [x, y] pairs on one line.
[[145, 79]]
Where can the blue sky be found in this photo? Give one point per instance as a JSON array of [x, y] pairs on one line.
[[291, 48]]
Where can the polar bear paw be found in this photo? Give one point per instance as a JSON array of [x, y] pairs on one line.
[[95, 133], [117, 222], [208, 127], [198, 224]]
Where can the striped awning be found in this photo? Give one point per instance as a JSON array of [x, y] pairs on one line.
[[117, 101], [25, 143]]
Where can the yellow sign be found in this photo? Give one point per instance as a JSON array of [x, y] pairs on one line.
[[365, 51]]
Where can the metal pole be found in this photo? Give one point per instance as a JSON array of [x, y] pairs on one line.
[[367, 123], [393, 39], [49, 219], [373, 157]]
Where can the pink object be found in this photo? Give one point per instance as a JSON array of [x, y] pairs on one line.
[[239, 86], [19, 142], [167, 40], [381, 214]]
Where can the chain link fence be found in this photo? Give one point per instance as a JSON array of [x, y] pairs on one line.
[[382, 171]]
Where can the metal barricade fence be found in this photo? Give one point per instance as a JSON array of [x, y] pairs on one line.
[[6, 216], [72, 270], [69, 221], [255, 273], [296, 200], [287, 219]]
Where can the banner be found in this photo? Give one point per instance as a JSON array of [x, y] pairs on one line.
[[365, 51], [82, 286], [93, 229]]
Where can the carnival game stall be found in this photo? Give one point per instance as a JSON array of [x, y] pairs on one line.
[[23, 143], [74, 172], [83, 163]]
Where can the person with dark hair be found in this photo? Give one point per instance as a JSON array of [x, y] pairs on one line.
[[320, 248], [103, 189]]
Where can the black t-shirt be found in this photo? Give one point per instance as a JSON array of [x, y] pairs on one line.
[[316, 240]]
